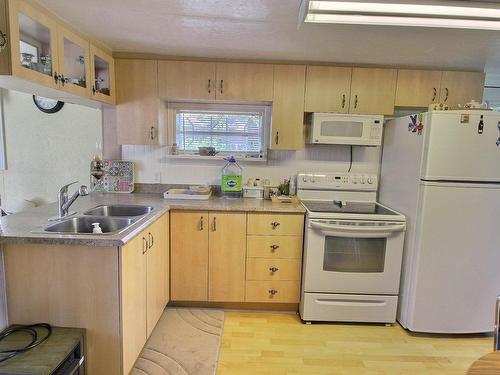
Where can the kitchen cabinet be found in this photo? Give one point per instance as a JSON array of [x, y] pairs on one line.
[[102, 75], [287, 127], [327, 89], [144, 284], [461, 87], [239, 81], [373, 91], [417, 88], [186, 80], [227, 248], [115, 293], [33, 43], [137, 103], [189, 255], [208, 256], [74, 62], [274, 258]]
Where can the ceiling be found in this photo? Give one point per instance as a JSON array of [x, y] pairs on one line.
[[267, 29]]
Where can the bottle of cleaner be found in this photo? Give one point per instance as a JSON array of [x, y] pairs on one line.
[[97, 228], [231, 179]]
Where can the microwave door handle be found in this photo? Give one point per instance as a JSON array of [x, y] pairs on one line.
[[357, 232]]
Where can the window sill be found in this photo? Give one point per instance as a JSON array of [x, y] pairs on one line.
[[239, 159]]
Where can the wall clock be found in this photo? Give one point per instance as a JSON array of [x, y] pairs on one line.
[[47, 105]]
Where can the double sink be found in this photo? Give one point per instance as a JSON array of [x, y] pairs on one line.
[[112, 219]]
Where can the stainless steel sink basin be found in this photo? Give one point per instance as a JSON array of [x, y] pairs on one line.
[[83, 225], [119, 210]]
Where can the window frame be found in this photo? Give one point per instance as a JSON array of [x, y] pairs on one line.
[[265, 109]]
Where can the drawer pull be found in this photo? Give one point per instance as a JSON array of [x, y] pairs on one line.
[[272, 292], [274, 248], [274, 269], [275, 224]]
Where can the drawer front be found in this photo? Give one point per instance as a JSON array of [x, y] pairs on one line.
[[270, 224], [274, 247], [273, 269], [348, 308], [273, 291]]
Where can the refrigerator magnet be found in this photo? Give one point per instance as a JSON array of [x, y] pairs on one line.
[[480, 126], [498, 140], [464, 118], [413, 124], [420, 125]]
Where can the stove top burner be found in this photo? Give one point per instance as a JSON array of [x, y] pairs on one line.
[[372, 208]]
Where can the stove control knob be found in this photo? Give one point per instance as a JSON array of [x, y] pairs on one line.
[[363, 180], [370, 180], [304, 178], [355, 180]]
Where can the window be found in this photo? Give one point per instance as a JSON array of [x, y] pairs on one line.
[[229, 128]]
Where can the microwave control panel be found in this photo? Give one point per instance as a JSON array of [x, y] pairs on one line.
[[376, 133]]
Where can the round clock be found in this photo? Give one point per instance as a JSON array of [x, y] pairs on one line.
[[47, 105]]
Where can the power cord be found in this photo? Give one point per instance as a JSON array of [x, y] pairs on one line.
[[29, 329], [350, 163]]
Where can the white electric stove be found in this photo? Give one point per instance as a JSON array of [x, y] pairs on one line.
[[353, 250]]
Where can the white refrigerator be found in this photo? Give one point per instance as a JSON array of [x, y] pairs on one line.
[[442, 170]]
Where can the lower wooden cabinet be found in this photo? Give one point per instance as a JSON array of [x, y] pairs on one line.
[[144, 287], [208, 256]]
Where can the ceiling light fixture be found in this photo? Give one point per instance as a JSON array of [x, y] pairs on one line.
[[448, 14]]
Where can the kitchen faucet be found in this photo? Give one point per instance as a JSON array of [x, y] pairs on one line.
[[65, 202]]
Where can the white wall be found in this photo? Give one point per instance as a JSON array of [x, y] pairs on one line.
[[45, 151], [153, 166]]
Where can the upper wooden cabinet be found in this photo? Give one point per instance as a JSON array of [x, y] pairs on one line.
[[373, 91], [327, 89], [46, 52], [419, 88], [74, 62], [461, 87], [237, 81], [33, 42], [186, 79], [102, 75], [287, 128], [137, 110]]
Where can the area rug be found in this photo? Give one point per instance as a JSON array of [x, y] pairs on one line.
[[184, 342]]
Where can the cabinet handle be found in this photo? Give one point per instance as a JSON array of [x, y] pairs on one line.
[[272, 292], [222, 86], [356, 101], [151, 240], [152, 133], [209, 86], [201, 223], [434, 94], [273, 269], [275, 224], [277, 138], [56, 77], [63, 80], [274, 248], [214, 226], [93, 90], [447, 94], [343, 100], [144, 246]]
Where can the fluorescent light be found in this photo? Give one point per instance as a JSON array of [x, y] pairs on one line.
[[480, 16]]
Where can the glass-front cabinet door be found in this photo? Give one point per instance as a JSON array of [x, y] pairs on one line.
[[74, 63], [103, 75], [34, 44]]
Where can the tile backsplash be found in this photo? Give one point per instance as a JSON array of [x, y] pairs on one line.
[[153, 166]]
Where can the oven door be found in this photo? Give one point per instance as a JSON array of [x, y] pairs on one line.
[[348, 130], [349, 256]]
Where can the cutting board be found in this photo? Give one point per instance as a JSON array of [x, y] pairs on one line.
[[118, 177]]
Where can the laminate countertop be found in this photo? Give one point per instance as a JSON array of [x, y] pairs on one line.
[[28, 226]]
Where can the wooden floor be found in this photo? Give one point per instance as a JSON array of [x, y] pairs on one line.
[[279, 344]]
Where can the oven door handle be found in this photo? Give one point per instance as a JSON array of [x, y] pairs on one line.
[[351, 231]]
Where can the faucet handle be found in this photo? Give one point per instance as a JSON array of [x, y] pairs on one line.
[[65, 187]]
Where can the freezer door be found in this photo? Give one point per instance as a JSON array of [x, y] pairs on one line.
[[456, 275], [459, 148]]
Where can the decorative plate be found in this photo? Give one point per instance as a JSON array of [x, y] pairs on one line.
[[118, 177]]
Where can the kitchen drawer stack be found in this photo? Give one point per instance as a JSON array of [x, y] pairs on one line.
[[274, 257]]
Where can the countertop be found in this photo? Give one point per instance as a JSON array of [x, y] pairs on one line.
[[27, 226]]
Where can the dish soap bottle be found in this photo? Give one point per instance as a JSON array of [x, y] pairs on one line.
[[231, 179]]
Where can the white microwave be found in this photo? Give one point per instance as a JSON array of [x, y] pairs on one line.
[[338, 129]]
